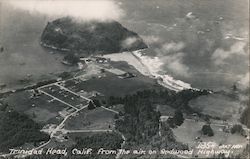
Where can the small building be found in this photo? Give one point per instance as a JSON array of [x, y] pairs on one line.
[[88, 60], [35, 93], [127, 75], [102, 60], [195, 116], [80, 65], [164, 118]]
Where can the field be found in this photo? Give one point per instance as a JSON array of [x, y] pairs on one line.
[[190, 129], [42, 108], [118, 107], [64, 95], [218, 105], [165, 110], [130, 59], [22, 101], [111, 85], [96, 119], [40, 115], [124, 66]]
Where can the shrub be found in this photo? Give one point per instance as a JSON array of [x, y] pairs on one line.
[[71, 59], [91, 105], [237, 129], [176, 120], [207, 130], [97, 102], [178, 117]]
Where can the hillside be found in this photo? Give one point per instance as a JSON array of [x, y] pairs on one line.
[[90, 37]]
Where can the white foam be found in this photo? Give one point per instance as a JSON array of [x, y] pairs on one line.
[[154, 64], [150, 66]]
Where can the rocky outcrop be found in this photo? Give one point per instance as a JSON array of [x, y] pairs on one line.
[[90, 37]]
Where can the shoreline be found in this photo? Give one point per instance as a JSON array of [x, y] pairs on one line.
[[144, 65]]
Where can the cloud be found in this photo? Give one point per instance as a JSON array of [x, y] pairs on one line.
[[129, 42], [82, 10], [220, 55], [172, 56], [175, 64], [151, 39], [172, 47], [244, 81]]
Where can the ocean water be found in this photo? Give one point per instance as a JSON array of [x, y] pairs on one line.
[[23, 57], [203, 43]]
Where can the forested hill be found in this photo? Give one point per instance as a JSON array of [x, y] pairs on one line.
[[90, 37]]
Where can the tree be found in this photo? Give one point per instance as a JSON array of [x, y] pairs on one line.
[[178, 117], [71, 59], [17, 129], [207, 130], [64, 75], [245, 117], [171, 122], [176, 120], [109, 141], [97, 102], [237, 129], [140, 121], [91, 105], [33, 115], [116, 116], [3, 107]]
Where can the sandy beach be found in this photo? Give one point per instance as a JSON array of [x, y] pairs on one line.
[[149, 66]]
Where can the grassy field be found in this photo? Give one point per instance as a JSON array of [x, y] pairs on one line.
[[111, 85], [98, 118], [41, 109], [189, 130], [118, 107], [217, 105], [124, 66], [40, 115], [21, 101], [64, 95], [165, 110]]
